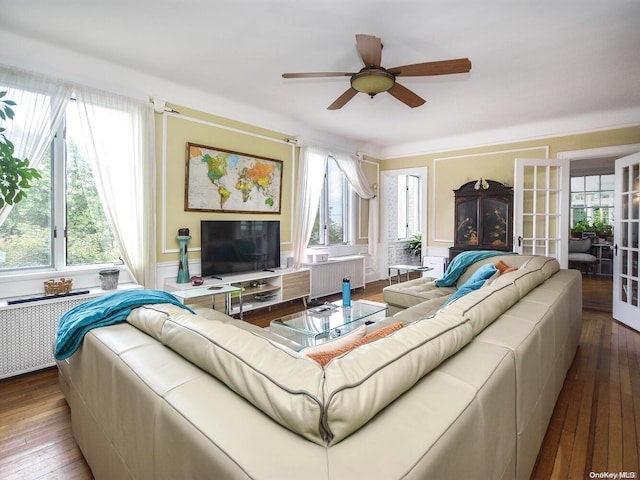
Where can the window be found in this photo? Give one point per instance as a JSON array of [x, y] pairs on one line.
[[332, 221], [592, 199], [409, 201], [61, 223]]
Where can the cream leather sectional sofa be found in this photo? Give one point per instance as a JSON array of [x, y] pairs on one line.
[[463, 392]]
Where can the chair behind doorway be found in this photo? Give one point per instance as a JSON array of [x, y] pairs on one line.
[[580, 257]]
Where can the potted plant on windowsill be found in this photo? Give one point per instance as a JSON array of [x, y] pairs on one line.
[[15, 174]]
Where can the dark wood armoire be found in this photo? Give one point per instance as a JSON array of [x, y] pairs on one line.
[[483, 217]]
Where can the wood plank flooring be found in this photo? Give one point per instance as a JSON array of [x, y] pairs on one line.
[[595, 426]]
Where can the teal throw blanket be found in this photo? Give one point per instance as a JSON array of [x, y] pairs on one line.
[[462, 261], [100, 312]]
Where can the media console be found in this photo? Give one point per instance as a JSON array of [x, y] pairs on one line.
[[259, 289]]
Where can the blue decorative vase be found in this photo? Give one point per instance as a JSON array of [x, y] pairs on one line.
[[183, 265]]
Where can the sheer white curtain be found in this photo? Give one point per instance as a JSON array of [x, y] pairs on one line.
[[352, 170], [40, 106], [119, 142], [312, 165]]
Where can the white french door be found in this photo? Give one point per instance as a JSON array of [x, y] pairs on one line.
[[626, 307], [541, 208]]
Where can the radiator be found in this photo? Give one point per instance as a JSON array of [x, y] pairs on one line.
[[326, 277], [28, 332]]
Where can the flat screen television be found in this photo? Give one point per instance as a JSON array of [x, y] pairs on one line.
[[236, 246]]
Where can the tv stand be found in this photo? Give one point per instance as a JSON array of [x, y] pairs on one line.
[[259, 289]]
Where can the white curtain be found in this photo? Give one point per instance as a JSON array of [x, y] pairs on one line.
[[119, 142], [352, 170], [312, 166], [40, 107]]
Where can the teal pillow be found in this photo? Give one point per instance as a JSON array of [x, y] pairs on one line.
[[475, 281]]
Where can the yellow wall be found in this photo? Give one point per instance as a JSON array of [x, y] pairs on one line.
[[172, 134], [449, 170]]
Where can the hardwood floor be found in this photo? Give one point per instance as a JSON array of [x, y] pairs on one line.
[[35, 430], [595, 426]]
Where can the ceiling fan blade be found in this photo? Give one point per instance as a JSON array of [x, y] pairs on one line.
[[444, 67], [406, 96], [317, 74], [370, 49], [342, 100]]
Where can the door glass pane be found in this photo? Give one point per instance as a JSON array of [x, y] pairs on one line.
[[554, 224], [625, 179], [528, 177], [540, 180], [528, 197], [541, 201], [554, 202], [527, 226], [554, 178]]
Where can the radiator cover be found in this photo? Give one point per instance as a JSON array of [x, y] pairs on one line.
[[326, 277], [28, 331]]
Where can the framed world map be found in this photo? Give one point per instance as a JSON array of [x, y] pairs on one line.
[[220, 180]]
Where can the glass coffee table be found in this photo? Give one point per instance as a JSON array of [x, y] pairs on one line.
[[325, 322]]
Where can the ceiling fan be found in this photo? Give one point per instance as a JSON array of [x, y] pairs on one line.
[[374, 79]]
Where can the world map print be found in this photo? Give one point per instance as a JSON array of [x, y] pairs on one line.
[[220, 180]]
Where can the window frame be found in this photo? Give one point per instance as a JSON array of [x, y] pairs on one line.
[[584, 192], [20, 282], [324, 211], [416, 181]]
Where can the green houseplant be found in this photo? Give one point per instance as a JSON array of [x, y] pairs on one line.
[[415, 245], [15, 174]]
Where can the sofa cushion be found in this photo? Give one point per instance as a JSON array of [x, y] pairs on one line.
[[282, 383], [477, 280], [421, 311], [482, 307], [362, 382], [325, 355], [323, 405], [337, 343], [414, 292]]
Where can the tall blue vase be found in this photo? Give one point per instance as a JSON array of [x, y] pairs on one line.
[[183, 265]]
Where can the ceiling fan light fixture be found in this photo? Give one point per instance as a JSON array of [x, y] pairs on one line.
[[372, 82]]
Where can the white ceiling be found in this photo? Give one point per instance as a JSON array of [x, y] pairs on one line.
[[539, 68]]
